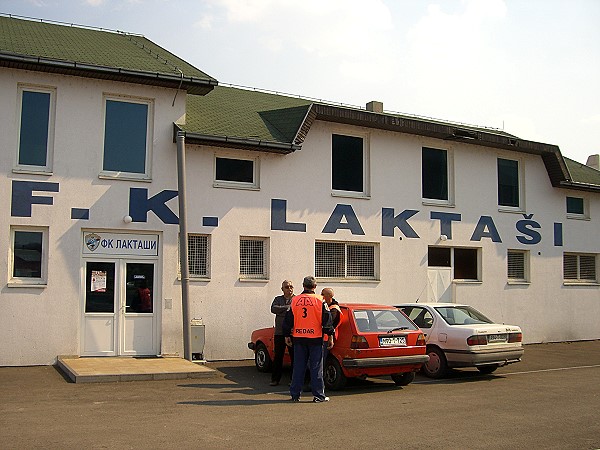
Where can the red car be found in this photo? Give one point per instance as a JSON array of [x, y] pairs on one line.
[[372, 340]]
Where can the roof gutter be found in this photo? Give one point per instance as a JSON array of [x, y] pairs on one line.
[[191, 84]]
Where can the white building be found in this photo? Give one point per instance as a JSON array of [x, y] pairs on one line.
[[383, 208]]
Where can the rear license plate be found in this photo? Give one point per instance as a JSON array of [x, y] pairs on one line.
[[493, 338], [390, 341]]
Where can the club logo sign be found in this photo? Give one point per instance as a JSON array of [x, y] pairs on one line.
[[92, 241]]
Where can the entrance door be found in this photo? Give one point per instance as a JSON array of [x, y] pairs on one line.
[[439, 284], [119, 316]]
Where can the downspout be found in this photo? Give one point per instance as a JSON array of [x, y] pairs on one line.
[[183, 248]]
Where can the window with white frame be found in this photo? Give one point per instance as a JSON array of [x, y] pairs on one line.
[[254, 261], [465, 262], [346, 260], [127, 138], [199, 255], [349, 165], [29, 256], [36, 129], [436, 175], [580, 267], [509, 184], [517, 265], [577, 208], [236, 172]]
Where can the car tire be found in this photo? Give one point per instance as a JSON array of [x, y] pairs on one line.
[[402, 379], [437, 366], [333, 376], [262, 360], [487, 369]]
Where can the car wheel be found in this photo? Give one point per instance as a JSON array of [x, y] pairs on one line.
[[486, 370], [262, 360], [437, 366], [402, 379], [333, 376]]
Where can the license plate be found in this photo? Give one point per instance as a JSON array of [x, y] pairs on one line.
[[389, 341], [493, 338]]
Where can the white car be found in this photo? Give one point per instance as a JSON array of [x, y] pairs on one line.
[[460, 336]]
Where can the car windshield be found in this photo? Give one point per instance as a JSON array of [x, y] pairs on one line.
[[381, 320], [462, 315]]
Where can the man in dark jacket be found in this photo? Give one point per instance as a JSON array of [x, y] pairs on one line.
[[307, 320], [281, 304]]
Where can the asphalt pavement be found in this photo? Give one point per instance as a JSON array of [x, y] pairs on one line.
[[549, 400]]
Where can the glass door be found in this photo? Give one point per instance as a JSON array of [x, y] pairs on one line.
[[138, 331], [101, 300]]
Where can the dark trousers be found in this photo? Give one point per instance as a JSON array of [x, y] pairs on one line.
[[279, 350], [310, 355]]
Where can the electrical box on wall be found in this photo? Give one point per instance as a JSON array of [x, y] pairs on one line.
[[198, 335]]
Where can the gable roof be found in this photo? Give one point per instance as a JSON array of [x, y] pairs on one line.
[[95, 53]]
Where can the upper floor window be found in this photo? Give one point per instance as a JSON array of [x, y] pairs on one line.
[[509, 189], [127, 138], [577, 208], [29, 256], [346, 260], [236, 172], [580, 268], [36, 130], [254, 258], [436, 175], [348, 165]]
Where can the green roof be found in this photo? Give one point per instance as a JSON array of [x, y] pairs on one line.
[[50, 47], [580, 173], [244, 114]]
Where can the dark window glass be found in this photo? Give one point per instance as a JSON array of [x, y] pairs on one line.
[[100, 287], [125, 136], [139, 297], [27, 254], [574, 205], [434, 173], [508, 182], [438, 256], [347, 163], [465, 264], [238, 170], [35, 119]]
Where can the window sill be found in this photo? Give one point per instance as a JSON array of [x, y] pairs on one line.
[[577, 217], [518, 283], [347, 280], [581, 283], [194, 278], [253, 280], [431, 202], [513, 210], [27, 284], [241, 186], [127, 177], [467, 282], [357, 195], [41, 171]]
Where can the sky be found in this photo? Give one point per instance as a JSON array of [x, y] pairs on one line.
[[528, 67]]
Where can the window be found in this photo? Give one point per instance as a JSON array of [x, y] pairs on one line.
[[127, 138], [517, 265], [198, 255], [580, 268], [358, 261], [464, 261], [420, 316], [29, 256], [253, 258], [577, 208], [348, 164], [435, 175], [508, 183], [36, 130], [236, 172]]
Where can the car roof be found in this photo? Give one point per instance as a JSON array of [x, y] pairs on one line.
[[432, 304], [366, 306]]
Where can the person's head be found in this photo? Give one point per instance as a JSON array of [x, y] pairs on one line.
[[309, 283], [327, 294], [287, 287]]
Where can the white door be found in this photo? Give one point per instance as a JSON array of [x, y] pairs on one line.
[[439, 284], [119, 317]]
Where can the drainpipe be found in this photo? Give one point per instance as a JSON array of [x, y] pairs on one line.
[[183, 249]]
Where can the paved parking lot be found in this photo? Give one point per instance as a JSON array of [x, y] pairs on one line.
[[549, 400]]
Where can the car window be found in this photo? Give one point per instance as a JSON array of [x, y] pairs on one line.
[[462, 315], [383, 320], [420, 316]]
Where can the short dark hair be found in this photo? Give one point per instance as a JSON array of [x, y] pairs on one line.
[[309, 282]]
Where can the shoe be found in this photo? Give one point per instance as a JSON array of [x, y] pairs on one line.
[[273, 383], [295, 399], [320, 399]]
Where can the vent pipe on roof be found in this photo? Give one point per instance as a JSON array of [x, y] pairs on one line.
[[375, 106], [593, 161]]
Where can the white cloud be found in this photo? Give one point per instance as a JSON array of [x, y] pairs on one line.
[[94, 2]]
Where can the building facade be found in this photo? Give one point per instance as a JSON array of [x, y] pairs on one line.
[[381, 207]]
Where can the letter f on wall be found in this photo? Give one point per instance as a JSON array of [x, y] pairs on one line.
[[23, 198]]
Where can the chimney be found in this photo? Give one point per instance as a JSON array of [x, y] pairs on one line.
[[593, 161], [375, 106]]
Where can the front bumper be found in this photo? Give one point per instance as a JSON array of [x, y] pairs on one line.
[[384, 362]]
